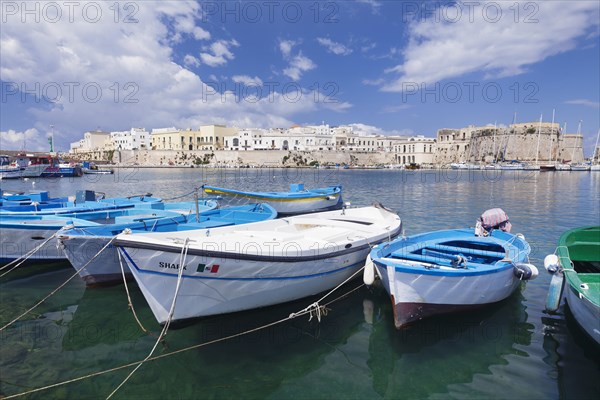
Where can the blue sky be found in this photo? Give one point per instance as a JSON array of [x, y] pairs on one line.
[[388, 67]]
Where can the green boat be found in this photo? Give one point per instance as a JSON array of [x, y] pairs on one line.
[[577, 261]]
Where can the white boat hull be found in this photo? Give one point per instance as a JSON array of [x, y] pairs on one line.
[[236, 285], [103, 269], [417, 296], [16, 243], [237, 268], [585, 312]]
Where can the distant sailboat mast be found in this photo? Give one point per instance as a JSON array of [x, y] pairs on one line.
[[596, 153]]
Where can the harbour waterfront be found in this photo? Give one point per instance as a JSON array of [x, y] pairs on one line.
[[510, 350]]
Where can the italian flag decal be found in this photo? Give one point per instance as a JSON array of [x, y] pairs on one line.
[[208, 268]]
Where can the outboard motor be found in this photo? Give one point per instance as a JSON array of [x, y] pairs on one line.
[[494, 218]]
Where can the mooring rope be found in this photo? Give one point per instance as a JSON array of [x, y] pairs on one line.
[[182, 258], [130, 303], [58, 288], [315, 308], [175, 352]]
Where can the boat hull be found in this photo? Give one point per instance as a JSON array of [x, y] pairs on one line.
[[16, 243], [291, 204], [586, 313], [213, 286], [418, 296], [102, 270], [235, 268]]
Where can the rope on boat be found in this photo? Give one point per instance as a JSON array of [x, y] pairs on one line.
[[182, 258], [183, 195], [175, 352], [59, 287], [31, 252], [130, 303], [315, 309]]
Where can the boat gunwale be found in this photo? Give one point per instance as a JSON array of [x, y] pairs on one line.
[[418, 268]]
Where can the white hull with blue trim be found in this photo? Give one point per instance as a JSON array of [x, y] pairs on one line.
[[255, 265], [448, 271]]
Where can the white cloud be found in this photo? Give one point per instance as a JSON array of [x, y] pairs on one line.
[[31, 139], [247, 80], [373, 82], [218, 53], [375, 5], [334, 47], [190, 61], [298, 65], [584, 102], [133, 67], [439, 49], [285, 46]]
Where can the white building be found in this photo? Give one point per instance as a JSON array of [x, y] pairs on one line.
[[92, 141], [133, 139]]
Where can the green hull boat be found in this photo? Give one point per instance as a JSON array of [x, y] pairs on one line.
[[576, 267]]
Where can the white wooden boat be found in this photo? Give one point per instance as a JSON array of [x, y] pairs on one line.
[[297, 201], [448, 271], [237, 268]]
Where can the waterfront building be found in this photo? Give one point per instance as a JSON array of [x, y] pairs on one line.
[[92, 141], [409, 150], [166, 139], [529, 141], [133, 139]]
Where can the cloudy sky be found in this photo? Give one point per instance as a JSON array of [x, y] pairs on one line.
[[389, 67]]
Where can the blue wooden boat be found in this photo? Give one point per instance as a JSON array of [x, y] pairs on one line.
[[21, 234], [16, 199], [447, 271], [81, 244], [297, 201], [85, 200]]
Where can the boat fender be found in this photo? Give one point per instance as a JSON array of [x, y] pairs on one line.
[[369, 272], [555, 291], [525, 271], [330, 198], [551, 263]]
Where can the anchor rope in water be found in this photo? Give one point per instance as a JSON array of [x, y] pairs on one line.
[[130, 303], [175, 352], [58, 288], [182, 259], [31, 252]]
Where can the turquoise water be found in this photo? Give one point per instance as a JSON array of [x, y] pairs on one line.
[[510, 350]]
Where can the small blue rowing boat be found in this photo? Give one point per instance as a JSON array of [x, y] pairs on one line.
[[452, 270], [297, 201], [81, 244]]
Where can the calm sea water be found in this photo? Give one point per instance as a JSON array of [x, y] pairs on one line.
[[510, 350]]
